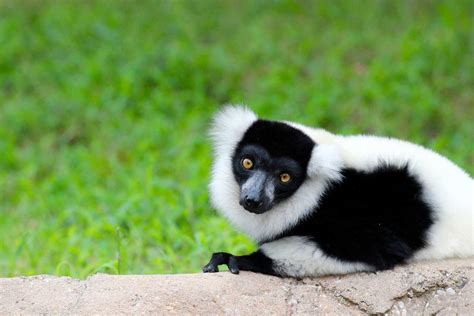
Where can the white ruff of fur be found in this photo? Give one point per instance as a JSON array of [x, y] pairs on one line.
[[225, 191]]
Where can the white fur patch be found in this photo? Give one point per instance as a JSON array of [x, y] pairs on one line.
[[298, 257], [228, 128], [325, 162]]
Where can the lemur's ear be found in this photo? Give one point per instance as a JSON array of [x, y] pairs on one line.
[[229, 126], [325, 162]]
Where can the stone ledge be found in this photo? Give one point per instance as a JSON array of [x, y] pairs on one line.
[[443, 287]]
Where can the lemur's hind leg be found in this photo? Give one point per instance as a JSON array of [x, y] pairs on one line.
[[255, 262]]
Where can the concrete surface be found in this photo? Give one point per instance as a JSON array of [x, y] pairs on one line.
[[443, 288]]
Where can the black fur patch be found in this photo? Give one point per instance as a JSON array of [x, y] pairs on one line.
[[377, 217], [280, 140]]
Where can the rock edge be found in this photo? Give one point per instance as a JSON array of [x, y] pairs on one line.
[[441, 287]]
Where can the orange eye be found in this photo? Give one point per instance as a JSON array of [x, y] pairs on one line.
[[247, 163], [285, 177]]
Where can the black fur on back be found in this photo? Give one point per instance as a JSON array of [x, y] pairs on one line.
[[376, 217], [280, 140]]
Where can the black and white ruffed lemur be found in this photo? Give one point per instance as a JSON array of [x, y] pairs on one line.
[[319, 203]]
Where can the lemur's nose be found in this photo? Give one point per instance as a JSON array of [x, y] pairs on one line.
[[252, 202]]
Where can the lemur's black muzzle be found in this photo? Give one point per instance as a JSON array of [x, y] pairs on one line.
[[252, 193]]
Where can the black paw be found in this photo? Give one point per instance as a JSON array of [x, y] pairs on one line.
[[219, 258], [210, 268]]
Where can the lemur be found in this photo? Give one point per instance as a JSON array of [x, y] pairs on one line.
[[319, 203]]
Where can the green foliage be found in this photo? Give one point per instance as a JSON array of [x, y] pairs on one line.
[[104, 107]]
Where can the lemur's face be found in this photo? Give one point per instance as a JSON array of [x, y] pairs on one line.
[[264, 180], [269, 164]]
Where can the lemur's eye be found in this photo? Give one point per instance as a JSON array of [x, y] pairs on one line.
[[285, 177], [247, 163]]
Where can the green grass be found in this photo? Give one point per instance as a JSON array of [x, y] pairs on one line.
[[104, 107]]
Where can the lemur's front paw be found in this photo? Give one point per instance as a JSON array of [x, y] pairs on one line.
[[219, 258], [210, 268]]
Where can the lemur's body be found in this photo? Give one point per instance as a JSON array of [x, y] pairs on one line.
[[319, 203]]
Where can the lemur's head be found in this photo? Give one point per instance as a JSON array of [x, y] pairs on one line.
[[266, 174], [269, 164]]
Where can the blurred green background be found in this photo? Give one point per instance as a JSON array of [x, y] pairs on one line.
[[104, 108]]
